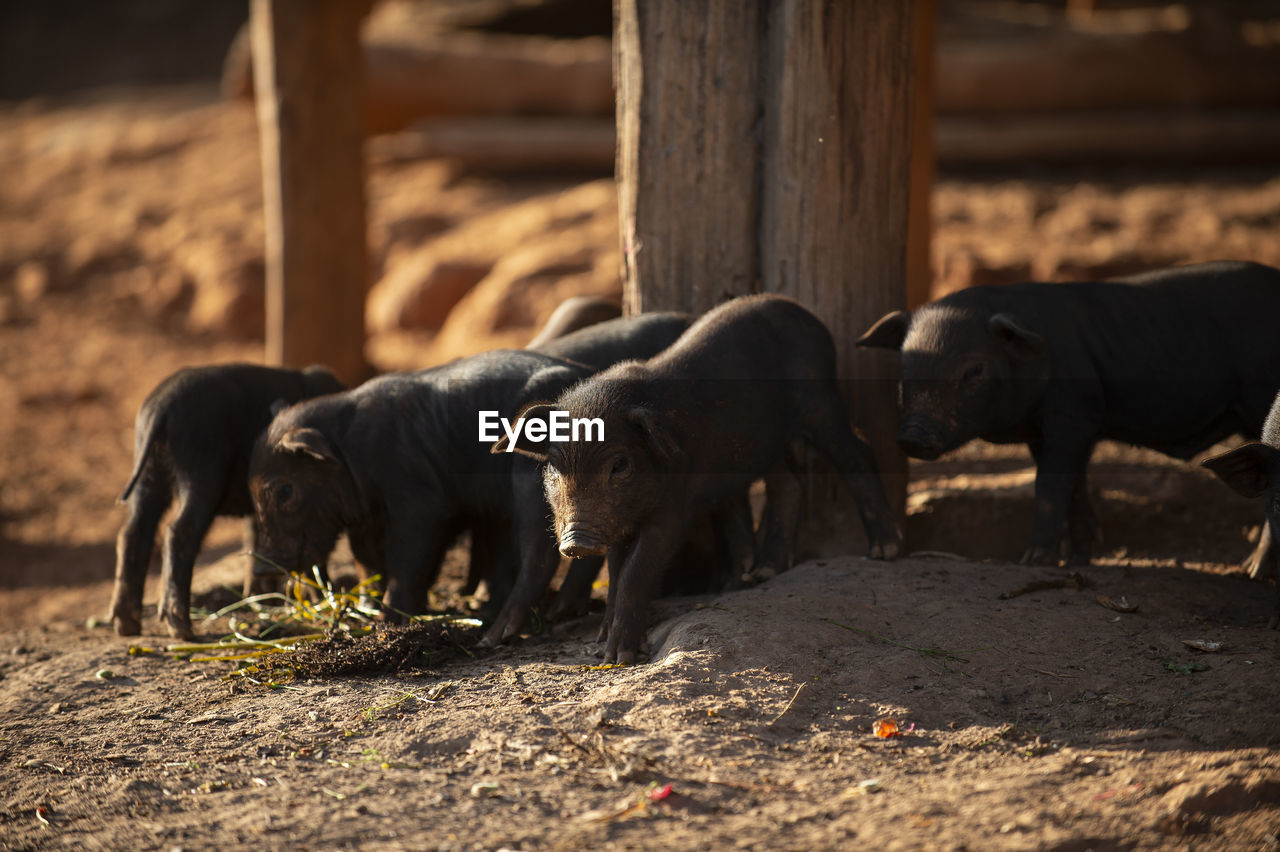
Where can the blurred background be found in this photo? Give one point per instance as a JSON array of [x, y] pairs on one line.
[[1073, 140]]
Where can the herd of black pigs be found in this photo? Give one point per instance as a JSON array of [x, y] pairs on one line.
[[680, 416]]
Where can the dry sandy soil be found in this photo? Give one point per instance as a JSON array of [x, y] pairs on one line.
[[1045, 721]]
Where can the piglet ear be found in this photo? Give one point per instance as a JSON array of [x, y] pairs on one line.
[[550, 382], [1246, 469], [536, 450], [308, 441], [657, 430], [321, 380], [888, 332], [1021, 341]]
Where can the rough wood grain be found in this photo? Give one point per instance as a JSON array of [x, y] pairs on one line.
[[923, 158], [310, 114], [1065, 70], [515, 145], [836, 168], [467, 74], [688, 150], [1108, 136], [507, 145], [769, 149]]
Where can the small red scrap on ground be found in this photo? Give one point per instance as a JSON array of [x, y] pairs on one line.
[[659, 793], [887, 727]]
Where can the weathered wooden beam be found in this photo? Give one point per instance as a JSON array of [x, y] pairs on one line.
[[308, 77], [515, 145], [1109, 136], [506, 144], [467, 74], [1063, 69]]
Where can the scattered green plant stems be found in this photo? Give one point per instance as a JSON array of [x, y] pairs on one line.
[[311, 604], [243, 643]]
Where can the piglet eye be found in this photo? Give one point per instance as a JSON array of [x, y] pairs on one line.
[[284, 492], [974, 372], [621, 465]]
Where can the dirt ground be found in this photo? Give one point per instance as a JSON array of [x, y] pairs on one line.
[[1045, 721]]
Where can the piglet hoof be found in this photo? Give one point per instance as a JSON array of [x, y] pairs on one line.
[[886, 544], [625, 643], [501, 628], [127, 625], [559, 612], [887, 551], [1036, 555], [610, 653], [1258, 566], [489, 615], [179, 628]]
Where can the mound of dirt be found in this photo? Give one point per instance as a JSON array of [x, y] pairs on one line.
[[1046, 721]]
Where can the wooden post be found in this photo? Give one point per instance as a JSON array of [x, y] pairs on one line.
[[688, 150], [772, 144], [833, 230], [308, 74], [923, 159]]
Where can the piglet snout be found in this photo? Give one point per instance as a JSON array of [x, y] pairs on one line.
[[918, 440], [578, 543], [265, 577]]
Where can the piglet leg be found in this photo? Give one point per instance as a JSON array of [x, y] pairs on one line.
[[1261, 564], [1061, 461], [736, 538], [413, 562], [784, 491], [196, 510], [574, 595], [495, 558], [656, 546], [538, 562], [617, 557], [1271, 559], [137, 538], [830, 432], [1082, 524], [480, 562]]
